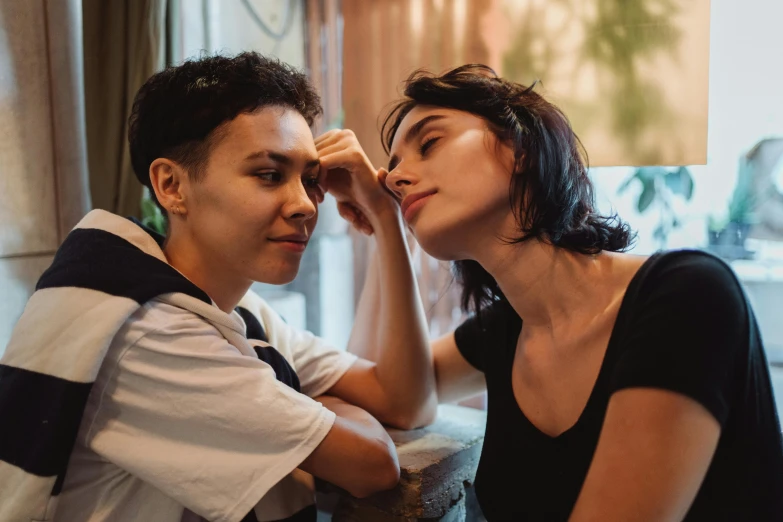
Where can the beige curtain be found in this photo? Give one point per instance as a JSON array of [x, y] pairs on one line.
[[43, 160], [322, 51], [65, 58], [124, 44], [384, 41]]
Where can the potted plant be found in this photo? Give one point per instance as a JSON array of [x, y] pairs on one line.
[[727, 235], [659, 187], [151, 216]]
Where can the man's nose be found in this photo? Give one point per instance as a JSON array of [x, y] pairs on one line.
[[300, 205]]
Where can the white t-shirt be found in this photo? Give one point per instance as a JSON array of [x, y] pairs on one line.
[[179, 422]]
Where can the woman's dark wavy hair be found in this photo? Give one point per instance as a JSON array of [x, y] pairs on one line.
[[550, 193], [179, 111]]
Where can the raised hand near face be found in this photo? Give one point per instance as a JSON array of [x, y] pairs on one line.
[[351, 178]]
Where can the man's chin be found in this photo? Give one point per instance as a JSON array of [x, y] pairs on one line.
[[281, 277]]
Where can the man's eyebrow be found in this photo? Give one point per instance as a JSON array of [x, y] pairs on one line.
[[412, 133], [281, 158]]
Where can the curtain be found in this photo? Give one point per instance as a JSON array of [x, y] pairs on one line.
[[124, 44], [384, 41], [65, 58], [43, 160]]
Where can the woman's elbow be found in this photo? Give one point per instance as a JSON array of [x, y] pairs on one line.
[[414, 418]]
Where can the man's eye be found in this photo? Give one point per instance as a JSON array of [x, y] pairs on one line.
[[313, 185], [312, 182], [269, 175], [425, 146]]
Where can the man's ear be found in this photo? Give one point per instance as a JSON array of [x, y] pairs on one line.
[[169, 180]]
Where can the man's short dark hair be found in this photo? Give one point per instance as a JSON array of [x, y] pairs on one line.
[[177, 113]]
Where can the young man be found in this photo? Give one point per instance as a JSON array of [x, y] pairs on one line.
[[144, 382]]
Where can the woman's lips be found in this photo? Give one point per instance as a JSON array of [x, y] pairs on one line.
[[412, 203]]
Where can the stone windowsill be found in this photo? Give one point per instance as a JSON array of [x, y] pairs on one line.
[[437, 467]]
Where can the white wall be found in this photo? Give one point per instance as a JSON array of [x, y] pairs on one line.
[[228, 27]]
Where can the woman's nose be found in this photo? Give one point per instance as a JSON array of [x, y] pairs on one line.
[[397, 179]]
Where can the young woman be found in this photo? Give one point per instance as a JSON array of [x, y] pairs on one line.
[[144, 382], [619, 387]]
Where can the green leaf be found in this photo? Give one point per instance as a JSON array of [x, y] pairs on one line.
[[626, 183], [659, 233], [151, 216], [680, 182], [648, 174], [743, 200], [646, 198]]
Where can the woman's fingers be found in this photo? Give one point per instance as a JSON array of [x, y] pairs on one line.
[[328, 137], [355, 217], [338, 148], [382, 175], [333, 136], [346, 211], [334, 160]]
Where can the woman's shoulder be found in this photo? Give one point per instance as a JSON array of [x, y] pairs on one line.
[[683, 271], [686, 282]]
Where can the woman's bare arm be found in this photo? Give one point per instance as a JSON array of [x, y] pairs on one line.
[[398, 387], [456, 378], [652, 456]]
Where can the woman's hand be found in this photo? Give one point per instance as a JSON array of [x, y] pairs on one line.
[[351, 178]]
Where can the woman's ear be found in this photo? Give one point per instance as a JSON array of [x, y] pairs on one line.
[[168, 180]]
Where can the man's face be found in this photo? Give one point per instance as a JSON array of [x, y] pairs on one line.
[[256, 205]]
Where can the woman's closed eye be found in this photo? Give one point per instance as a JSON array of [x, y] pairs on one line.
[[427, 144]]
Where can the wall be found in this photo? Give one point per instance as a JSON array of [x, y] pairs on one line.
[[43, 175], [229, 27]]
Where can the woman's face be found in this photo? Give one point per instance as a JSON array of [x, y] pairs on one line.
[[256, 205], [452, 176]]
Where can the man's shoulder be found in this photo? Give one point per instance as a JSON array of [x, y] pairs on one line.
[[158, 316]]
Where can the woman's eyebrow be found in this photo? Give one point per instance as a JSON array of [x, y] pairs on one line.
[[412, 133]]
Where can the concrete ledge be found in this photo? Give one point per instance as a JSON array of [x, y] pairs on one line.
[[437, 464]]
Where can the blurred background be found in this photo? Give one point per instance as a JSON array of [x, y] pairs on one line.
[[679, 104]]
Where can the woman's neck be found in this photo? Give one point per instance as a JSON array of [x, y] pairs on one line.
[[209, 274], [552, 288]]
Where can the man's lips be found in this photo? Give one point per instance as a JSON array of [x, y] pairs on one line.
[[292, 242], [292, 238], [413, 198]]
